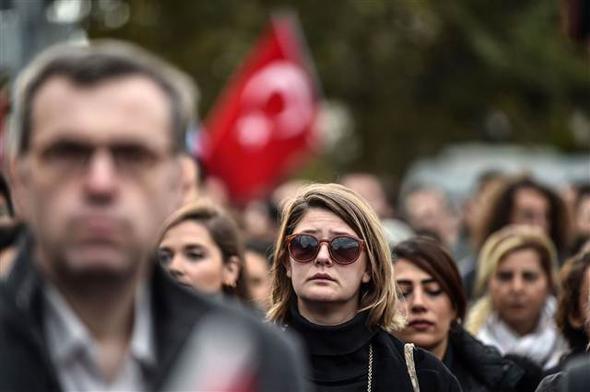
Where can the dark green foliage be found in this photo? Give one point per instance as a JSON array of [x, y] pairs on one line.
[[416, 74]]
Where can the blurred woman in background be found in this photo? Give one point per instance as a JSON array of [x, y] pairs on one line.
[[520, 200], [526, 201], [572, 309], [201, 248], [516, 283], [430, 283], [573, 317], [333, 284], [257, 271]]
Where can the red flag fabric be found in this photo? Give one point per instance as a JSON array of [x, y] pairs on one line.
[[262, 127]]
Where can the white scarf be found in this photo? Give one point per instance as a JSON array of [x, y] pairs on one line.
[[544, 345]]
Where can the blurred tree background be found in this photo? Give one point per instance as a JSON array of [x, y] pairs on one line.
[[414, 75]]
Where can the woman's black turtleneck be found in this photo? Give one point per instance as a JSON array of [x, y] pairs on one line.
[[339, 354]]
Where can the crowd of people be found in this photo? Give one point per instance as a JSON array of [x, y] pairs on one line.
[[125, 267]]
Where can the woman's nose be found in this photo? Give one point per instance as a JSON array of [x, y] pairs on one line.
[[175, 267], [323, 256], [417, 303]]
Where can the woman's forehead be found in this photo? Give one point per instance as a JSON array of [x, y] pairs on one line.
[[407, 270], [321, 220]]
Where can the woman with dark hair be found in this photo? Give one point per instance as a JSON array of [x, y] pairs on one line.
[[201, 248], [524, 201], [257, 263], [571, 317], [431, 285], [581, 209], [519, 201], [333, 284]]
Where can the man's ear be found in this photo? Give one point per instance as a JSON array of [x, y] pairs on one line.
[[18, 173], [189, 178]]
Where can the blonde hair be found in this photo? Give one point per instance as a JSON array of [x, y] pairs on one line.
[[499, 245], [379, 295]]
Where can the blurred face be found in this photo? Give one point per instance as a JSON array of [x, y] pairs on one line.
[[258, 276], [425, 209], [583, 216], [322, 280], [258, 222], [582, 319], [586, 309], [5, 218], [531, 208], [428, 210], [99, 177], [371, 190], [430, 311], [194, 259], [519, 290]]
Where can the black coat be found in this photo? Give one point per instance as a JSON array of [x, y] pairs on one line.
[[339, 359], [574, 378], [479, 367], [555, 376], [25, 364], [391, 369]]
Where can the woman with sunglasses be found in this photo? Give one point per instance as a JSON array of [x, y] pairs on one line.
[[333, 285]]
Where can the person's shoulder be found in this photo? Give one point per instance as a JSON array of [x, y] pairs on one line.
[[484, 362], [425, 360], [272, 340], [226, 335], [422, 358], [432, 374], [182, 306], [551, 383]]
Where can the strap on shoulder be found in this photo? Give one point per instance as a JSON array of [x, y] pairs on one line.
[[409, 355]]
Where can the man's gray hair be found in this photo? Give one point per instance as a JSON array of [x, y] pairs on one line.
[[92, 64]]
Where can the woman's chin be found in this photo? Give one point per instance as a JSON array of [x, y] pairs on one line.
[[320, 294]]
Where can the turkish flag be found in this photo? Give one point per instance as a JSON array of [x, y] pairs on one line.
[[262, 127]]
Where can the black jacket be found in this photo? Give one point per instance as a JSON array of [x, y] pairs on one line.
[[479, 367], [25, 364], [574, 378], [339, 358]]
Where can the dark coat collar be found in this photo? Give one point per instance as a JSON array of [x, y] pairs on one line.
[[338, 340], [469, 358], [390, 372]]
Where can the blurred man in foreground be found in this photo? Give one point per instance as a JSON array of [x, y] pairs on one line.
[[96, 144]]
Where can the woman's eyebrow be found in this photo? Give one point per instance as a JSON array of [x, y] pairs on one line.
[[428, 281], [309, 231], [339, 232], [193, 246]]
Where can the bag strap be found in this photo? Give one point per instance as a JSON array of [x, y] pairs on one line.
[[409, 354]]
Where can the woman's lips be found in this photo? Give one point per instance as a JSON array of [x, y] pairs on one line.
[[185, 284], [421, 325], [517, 306], [322, 277]]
